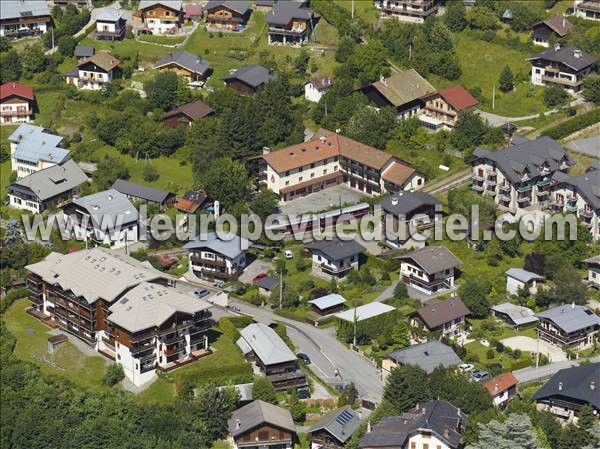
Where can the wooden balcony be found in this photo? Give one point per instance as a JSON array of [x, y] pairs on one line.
[[18, 113], [562, 81]]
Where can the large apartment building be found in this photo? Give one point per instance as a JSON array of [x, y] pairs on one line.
[[329, 159], [561, 66], [33, 148], [519, 176], [123, 308], [415, 11]]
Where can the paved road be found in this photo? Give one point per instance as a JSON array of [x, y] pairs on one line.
[[533, 374], [326, 353]]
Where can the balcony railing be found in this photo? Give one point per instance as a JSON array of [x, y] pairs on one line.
[[477, 187], [18, 112], [197, 260], [563, 81], [505, 187], [335, 270], [588, 213]]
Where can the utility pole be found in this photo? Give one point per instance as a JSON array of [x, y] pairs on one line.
[[353, 9], [355, 321], [52, 37], [537, 352], [281, 288], [494, 97], [410, 51]]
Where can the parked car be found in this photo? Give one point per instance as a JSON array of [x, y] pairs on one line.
[[303, 393], [288, 254], [479, 376], [304, 358], [465, 367], [258, 277], [200, 292], [218, 283]]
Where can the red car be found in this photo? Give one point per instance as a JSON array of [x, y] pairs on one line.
[[258, 277]]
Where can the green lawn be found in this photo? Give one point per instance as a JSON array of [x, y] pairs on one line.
[[163, 40], [32, 346], [364, 9], [482, 63], [130, 47]]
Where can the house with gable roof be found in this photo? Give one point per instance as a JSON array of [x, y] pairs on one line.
[[430, 269], [588, 9], [569, 326], [215, 258], [446, 317], [334, 429], [19, 18], [33, 148], [159, 16], [249, 79], [94, 72], [110, 24], [442, 107], [290, 23], [556, 27], [17, 103], [191, 67], [227, 14]]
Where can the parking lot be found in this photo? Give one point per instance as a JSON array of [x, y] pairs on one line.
[[554, 353], [322, 201], [256, 267]]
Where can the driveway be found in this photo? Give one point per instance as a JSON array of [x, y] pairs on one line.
[[256, 267], [554, 353], [589, 146], [321, 201]]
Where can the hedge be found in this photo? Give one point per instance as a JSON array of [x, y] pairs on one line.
[[575, 124], [11, 297], [228, 328]]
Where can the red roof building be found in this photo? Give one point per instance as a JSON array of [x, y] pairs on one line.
[[502, 389], [16, 103], [442, 107]]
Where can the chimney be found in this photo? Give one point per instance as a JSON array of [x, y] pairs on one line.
[[266, 150], [557, 47], [573, 305], [322, 139], [394, 201], [238, 423], [496, 387], [592, 385], [560, 385], [577, 53], [446, 432]]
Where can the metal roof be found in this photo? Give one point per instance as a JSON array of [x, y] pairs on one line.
[[365, 312], [571, 318], [340, 423], [186, 60], [427, 356], [108, 205], [336, 249], [579, 382], [257, 413], [84, 51], [327, 301], [518, 314], [254, 75], [173, 4], [284, 12], [34, 144], [140, 191], [53, 181], [16, 9], [228, 248], [433, 259], [403, 87], [523, 275], [95, 273], [407, 202], [266, 344], [108, 14], [268, 283], [239, 6], [149, 305]]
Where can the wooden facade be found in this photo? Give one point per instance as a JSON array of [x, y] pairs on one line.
[[222, 17], [265, 434], [241, 87], [325, 440]]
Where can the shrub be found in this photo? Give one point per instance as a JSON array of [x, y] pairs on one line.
[[575, 124], [228, 328], [555, 95], [517, 353], [499, 347], [114, 375], [490, 354]]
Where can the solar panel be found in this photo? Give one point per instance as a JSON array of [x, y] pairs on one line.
[[344, 417]]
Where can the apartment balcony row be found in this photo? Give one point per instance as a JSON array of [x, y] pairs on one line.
[[110, 35], [587, 213], [442, 111], [438, 283], [563, 338], [409, 7]]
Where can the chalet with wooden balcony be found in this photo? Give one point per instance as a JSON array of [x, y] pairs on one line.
[[568, 391], [430, 270], [248, 80], [561, 66], [227, 14], [579, 195], [290, 23], [17, 103], [123, 308], [261, 345], [159, 16], [334, 429], [21, 18], [259, 425], [401, 210], [335, 258], [442, 108], [33, 148], [154, 327], [94, 72], [519, 176], [103, 218], [415, 11], [329, 159], [445, 317], [569, 326], [110, 24], [588, 9], [185, 64], [211, 257], [556, 27]]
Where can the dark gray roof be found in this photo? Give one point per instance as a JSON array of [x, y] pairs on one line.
[[581, 383], [84, 51], [229, 248], [428, 356], [53, 181], [268, 283], [340, 423], [527, 157], [571, 317], [435, 312], [566, 55], [587, 185], [283, 13], [336, 249], [433, 259], [254, 75], [439, 417], [239, 6], [407, 202], [257, 413], [186, 60], [517, 139], [140, 191], [518, 314]]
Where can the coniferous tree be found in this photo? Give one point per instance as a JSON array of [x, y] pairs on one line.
[[506, 79]]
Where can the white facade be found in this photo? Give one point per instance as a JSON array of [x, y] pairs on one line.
[[115, 238], [15, 113], [514, 285], [423, 440], [545, 76], [500, 399], [594, 276], [277, 181], [587, 9], [28, 205], [324, 265], [161, 26], [311, 93], [24, 168], [566, 199], [89, 80], [211, 262], [106, 27], [40, 25], [428, 283]]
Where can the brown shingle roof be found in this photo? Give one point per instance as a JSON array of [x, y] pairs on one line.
[[558, 24], [433, 259], [194, 110], [398, 173], [458, 97], [102, 59], [302, 154], [501, 383], [404, 87], [436, 313]]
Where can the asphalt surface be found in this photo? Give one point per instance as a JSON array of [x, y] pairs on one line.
[[533, 374]]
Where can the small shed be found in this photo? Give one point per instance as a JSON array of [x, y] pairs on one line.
[[54, 341], [514, 315], [267, 284], [518, 278], [328, 304]]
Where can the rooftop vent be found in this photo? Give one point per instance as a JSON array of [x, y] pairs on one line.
[[577, 53], [322, 139], [109, 197], [557, 47], [560, 385], [394, 201]]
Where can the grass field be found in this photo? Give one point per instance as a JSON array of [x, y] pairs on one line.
[[362, 8], [482, 63], [32, 346]]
